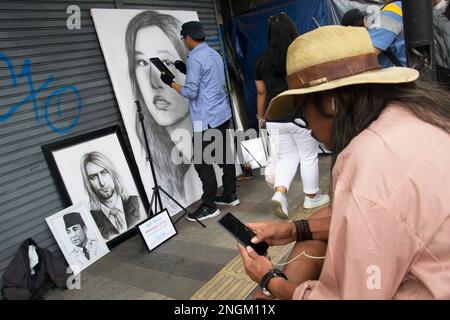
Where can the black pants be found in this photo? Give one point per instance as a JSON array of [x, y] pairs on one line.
[[206, 171]]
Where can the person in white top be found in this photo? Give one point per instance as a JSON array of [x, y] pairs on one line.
[[290, 140]]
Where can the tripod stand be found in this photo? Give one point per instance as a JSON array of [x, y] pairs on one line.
[[156, 201]]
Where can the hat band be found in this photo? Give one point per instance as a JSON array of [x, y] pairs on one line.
[[333, 70]]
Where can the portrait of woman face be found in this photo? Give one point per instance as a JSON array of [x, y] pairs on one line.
[[129, 39], [165, 105]]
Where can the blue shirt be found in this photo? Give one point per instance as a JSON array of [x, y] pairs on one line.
[[389, 35], [205, 88]]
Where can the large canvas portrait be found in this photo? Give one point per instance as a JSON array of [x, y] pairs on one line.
[[95, 168], [77, 236], [129, 38]]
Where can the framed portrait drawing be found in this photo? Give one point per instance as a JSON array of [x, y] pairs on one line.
[[96, 168], [77, 236]]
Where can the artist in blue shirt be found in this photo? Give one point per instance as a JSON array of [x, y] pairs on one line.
[[205, 88]]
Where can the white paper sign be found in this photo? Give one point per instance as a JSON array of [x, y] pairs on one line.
[[254, 152], [157, 230]]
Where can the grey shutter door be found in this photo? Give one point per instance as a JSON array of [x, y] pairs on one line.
[[35, 34]]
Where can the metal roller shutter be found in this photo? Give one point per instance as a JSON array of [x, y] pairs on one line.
[[36, 31]]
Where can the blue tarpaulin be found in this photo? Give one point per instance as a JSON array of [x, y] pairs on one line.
[[248, 33]]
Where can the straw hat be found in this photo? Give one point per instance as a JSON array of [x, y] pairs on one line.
[[331, 57]]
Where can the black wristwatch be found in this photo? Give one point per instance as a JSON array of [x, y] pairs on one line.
[[267, 277]]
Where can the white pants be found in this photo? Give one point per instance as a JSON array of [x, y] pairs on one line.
[[293, 145]]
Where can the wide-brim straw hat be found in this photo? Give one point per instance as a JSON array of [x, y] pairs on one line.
[[328, 58]]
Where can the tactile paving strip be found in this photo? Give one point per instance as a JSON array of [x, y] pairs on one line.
[[231, 283]]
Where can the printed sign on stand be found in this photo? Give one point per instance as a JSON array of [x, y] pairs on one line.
[[156, 230]]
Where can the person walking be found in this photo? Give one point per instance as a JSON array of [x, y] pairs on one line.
[[289, 137]]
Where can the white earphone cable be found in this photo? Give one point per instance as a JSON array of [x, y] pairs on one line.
[[301, 254]]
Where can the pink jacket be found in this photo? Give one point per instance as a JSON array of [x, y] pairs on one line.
[[390, 229]]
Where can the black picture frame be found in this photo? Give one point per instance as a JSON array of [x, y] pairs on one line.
[[49, 150], [144, 242]]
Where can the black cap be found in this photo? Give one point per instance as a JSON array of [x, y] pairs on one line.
[[194, 29], [72, 219], [353, 18]]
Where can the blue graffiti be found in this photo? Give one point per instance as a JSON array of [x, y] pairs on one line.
[[25, 72]]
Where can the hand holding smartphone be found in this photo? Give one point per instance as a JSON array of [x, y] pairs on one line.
[[242, 233], [161, 67]]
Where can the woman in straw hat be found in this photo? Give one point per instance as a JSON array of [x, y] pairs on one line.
[[290, 140], [387, 234]]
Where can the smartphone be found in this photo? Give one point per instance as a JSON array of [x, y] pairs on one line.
[[242, 233], [161, 66]]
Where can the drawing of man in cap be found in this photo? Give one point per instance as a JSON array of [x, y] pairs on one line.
[[85, 249]]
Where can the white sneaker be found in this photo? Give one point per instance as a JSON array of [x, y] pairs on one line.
[[280, 205], [317, 201]]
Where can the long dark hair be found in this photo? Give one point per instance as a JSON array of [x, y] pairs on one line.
[[360, 105], [169, 174], [282, 32], [447, 12]]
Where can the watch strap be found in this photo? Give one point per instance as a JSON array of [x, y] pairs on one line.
[[269, 276]]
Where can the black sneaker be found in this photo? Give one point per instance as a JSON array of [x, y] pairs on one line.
[[228, 200], [203, 213]]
